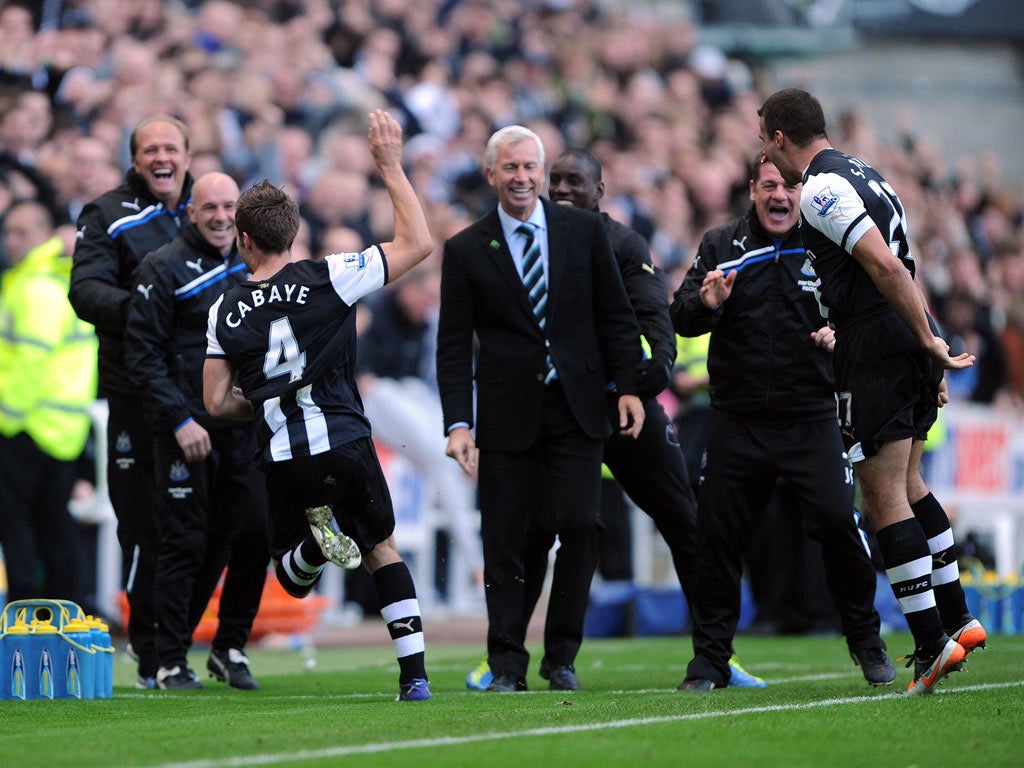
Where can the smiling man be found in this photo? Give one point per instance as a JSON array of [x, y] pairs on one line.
[[213, 500], [774, 418], [115, 232], [538, 285]]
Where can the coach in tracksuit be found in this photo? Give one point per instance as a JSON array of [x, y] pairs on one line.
[[774, 417], [115, 231], [214, 496]]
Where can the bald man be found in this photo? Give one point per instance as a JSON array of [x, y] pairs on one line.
[[212, 495]]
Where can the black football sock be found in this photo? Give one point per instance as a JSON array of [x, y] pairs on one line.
[[299, 569], [908, 566], [401, 610], [949, 594]]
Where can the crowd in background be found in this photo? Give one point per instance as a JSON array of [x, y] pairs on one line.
[[280, 89]]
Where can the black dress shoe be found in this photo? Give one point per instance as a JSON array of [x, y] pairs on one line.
[[561, 678], [698, 684], [505, 682]]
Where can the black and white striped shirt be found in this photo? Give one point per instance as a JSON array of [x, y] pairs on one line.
[[842, 198], [292, 339]]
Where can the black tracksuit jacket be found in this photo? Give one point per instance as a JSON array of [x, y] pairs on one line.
[[165, 337], [761, 359], [115, 232]]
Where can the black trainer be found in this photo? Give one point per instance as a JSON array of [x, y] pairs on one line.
[[506, 682], [875, 664], [231, 667], [177, 679], [561, 677], [698, 684]]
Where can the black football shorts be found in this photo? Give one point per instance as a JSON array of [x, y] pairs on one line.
[[888, 386], [348, 478]]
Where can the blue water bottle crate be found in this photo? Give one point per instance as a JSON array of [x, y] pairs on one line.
[[49, 649], [997, 602]]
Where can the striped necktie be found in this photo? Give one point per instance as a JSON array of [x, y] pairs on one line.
[[536, 285]]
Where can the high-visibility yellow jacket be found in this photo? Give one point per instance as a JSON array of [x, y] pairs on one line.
[[47, 355], [692, 356]]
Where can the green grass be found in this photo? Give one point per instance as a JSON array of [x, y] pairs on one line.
[[817, 711]]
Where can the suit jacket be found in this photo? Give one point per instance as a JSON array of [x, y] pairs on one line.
[[592, 335]]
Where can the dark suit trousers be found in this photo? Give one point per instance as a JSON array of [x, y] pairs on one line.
[[527, 498], [653, 473]]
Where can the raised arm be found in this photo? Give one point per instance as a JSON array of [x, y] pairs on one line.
[[698, 299], [412, 242]]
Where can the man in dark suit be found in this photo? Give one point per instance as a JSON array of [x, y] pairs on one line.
[[539, 286]]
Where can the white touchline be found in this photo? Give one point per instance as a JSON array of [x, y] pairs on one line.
[[447, 741]]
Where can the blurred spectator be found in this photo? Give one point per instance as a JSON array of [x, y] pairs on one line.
[[339, 239], [965, 313], [92, 170], [337, 198], [47, 382], [19, 58], [296, 165], [1009, 279]]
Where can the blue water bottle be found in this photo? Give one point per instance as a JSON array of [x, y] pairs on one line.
[[78, 661], [17, 643], [42, 669], [104, 648]]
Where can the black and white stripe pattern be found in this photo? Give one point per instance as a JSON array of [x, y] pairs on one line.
[[405, 626], [296, 575], [912, 585]]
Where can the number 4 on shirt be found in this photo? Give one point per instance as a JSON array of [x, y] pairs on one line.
[[283, 353]]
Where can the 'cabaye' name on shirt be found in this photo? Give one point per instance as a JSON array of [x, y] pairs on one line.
[[266, 294]]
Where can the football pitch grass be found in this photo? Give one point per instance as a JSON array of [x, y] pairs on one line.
[[817, 711]]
